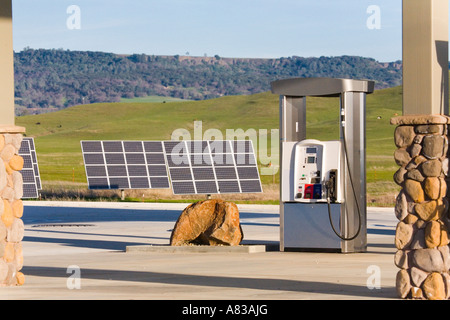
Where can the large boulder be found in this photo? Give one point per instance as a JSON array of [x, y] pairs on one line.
[[209, 222]]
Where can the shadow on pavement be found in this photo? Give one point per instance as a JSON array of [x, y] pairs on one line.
[[217, 281]]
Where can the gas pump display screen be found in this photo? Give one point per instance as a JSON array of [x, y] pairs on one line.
[[311, 160], [311, 150]]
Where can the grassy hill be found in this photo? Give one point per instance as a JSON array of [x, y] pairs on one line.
[[58, 134]]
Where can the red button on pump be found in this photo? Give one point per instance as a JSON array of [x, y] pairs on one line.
[[309, 191]]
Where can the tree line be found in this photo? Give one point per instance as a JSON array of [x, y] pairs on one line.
[[54, 79]]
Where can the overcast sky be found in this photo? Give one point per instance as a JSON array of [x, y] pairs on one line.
[[228, 28]]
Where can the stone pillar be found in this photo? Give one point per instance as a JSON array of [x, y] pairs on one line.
[[11, 207], [422, 205]]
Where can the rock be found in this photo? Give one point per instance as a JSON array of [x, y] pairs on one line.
[[209, 222], [417, 293], [3, 270], [7, 153], [403, 283], [431, 128], [402, 157], [431, 168], [401, 259], [416, 175], [445, 166], [17, 208], [429, 260], [418, 276], [430, 210], [16, 162], [418, 139], [16, 141], [8, 168], [2, 247], [433, 234], [444, 238], [418, 119], [433, 146], [7, 215], [445, 253], [404, 136], [3, 231], [399, 176], [446, 277], [414, 190], [432, 187], [443, 190], [16, 231], [415, 150], [420, 224], [9, 252], [403, 235], [3, 176], [18, 185], [18, 256], [410, 219], [401, 206], [20, 278], [433, 287], [418, 240]]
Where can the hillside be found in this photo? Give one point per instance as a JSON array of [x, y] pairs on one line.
[[50, 80], [58, 134]]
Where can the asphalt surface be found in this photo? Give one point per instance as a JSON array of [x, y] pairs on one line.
[[76, 250]]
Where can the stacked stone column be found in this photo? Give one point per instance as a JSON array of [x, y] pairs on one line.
[[11, 210], [422, 238]]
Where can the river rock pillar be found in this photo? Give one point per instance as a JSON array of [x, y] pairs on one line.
[[421, 138], [11, 184], [422, 233]]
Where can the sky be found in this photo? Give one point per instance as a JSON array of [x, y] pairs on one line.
[[228, 28]]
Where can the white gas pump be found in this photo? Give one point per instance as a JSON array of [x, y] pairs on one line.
[[322, 183], [317, 171]]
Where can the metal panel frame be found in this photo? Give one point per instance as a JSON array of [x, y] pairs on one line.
[[210, 153], [125, 164], [31, 189]]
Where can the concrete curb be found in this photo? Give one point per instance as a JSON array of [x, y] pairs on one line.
[[197, 249]]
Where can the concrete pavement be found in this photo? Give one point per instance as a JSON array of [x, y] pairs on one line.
[[67, 239]]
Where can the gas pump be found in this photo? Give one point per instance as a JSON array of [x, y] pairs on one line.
[[317, 171], [322, 183]]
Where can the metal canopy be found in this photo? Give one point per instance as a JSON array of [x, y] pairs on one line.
[[328, 87]]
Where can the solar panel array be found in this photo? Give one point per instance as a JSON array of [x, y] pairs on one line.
[[30, 172], [125, 164], [212, 167], [194, 167]]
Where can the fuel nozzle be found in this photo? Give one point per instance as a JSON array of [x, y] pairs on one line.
[[330, 186]]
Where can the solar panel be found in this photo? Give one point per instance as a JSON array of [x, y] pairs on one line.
[[30, 171], [212, 167], [194, 167], [125, 165]]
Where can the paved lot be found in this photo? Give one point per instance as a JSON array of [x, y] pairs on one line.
[[64, 238]]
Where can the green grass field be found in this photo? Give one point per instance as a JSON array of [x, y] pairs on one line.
[[57, 135]]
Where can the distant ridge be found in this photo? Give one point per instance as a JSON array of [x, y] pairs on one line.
[[49, 80]]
